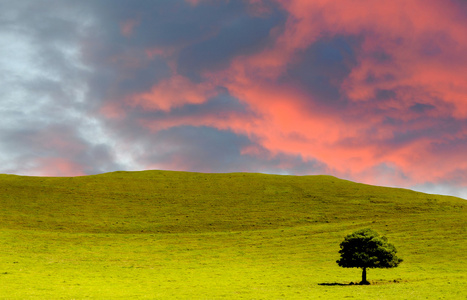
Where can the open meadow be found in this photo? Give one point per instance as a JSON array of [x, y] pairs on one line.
[[180, 235]]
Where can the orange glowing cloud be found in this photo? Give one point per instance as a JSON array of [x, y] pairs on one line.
[[407, 71], [174, 92], [399, 28]]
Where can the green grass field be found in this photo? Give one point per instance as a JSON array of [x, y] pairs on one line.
[[179, 235]]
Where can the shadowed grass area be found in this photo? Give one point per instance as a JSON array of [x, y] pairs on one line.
[[179, 235]]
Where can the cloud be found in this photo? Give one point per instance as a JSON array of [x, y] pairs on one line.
[[173, 92], [368, 91], [54, 150], [206, 149], [363, 76]]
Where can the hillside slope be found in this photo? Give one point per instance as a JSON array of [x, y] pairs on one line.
[[180, 235], [164, 201]]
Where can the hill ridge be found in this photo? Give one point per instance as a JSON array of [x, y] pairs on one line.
[[174, 201]]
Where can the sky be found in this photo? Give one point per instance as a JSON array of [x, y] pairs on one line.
[[369, 91]]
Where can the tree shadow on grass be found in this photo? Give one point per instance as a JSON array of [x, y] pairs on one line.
[[335, 283], [377, 282], [339, 284]]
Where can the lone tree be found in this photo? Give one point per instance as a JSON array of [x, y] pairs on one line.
[[365, 249]]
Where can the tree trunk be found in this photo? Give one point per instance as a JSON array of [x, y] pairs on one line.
[[364, 281]]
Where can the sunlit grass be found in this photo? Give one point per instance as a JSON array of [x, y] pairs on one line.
[[176, 235]]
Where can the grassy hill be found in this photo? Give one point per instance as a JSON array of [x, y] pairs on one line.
[[180, 235]]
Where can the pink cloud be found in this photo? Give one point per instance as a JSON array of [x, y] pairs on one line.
[[193, 2], [127, 27], [55, 166], [403, 50], [403, 30], [173, 92]]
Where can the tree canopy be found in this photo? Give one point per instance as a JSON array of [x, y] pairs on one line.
[[366, 249]]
